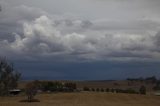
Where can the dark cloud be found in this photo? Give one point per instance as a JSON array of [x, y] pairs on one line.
[[61, 40], [157, 39], [103, 70], [42, 37], [30, 31]]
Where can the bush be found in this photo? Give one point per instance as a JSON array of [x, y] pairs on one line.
[[97, 89], [142, 90], [112, 90], [93, 89], [51, 86], [102, 90], [70, 86], [107, 90], [48, 86], [131, 91], [119, 91], [86, 89]]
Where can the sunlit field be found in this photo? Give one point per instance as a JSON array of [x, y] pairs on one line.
[[84, 99]]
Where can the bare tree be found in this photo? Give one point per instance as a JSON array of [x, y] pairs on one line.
[[31, 91], [8, 77]]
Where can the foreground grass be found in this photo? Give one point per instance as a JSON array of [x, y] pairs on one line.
[[85, 99]]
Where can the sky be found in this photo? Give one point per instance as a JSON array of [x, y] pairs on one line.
[[81, 39]]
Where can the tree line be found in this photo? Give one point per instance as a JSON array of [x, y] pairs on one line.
[[33, 87], [54, 86], [142, 90]]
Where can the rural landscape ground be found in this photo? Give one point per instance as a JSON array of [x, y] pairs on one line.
[[85, 99], [88, 98]]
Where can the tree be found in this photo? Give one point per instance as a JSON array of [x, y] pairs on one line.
[[86, 89], [70, 86], [112, 90], [93, 89], [142, 90], [51, 86], [102, 90], [107, 90], [31, 90], [97, 89], [8, 77]]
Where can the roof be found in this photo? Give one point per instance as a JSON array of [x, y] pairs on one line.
[[15, 90]]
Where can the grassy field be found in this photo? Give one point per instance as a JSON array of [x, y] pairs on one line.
[[85, 99]]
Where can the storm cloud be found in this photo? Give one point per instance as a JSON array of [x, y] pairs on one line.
[[33, 32], [70, 39]]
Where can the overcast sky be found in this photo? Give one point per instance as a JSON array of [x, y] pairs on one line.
[[70, 39]]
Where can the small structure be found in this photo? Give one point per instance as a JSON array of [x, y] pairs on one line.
[[157, 93], [14, 91]]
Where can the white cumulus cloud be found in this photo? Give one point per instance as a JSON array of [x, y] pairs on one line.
[[37, 34]]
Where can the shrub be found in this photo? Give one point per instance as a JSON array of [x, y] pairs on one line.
[[51, 86], [93, 89], [142, 90], [97, 89], [112, 90], [107, 90], [48, 86], [70, 86], [119, 91], [86, 89], [131, 91], [56, 86], [102, 90]]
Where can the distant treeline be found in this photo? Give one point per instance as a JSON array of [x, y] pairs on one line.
[[55, 86], [152, 79], [142, 90]]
